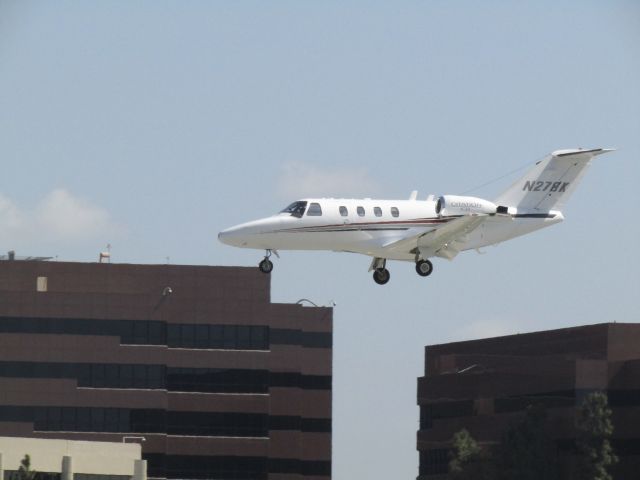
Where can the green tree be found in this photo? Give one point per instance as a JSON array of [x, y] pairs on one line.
[[468, 459], [527, 451], [595, 429], [24, 471]]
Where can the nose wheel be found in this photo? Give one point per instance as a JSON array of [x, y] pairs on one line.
[[266, 265], [424, 268]]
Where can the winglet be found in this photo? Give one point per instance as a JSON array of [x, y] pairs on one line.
[[413, 195]]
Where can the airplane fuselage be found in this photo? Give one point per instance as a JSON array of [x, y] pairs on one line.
[[367, 226]]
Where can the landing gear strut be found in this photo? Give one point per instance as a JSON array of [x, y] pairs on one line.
[[266, 265], [424, 268]]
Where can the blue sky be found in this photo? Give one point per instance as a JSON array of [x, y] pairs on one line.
[[153, 125]]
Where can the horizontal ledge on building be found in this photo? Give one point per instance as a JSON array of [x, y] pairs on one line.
[[128, 434], [164, 390], [217, 436], [246, 394], [194, 349], [123, 389]]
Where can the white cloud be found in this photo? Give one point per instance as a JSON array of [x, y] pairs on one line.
[[10, 217], [299, 180], [58, 217]]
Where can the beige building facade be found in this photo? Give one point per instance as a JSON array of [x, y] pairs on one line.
[[71, 459]]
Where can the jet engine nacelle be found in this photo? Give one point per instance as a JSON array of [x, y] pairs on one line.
[[448, 205]]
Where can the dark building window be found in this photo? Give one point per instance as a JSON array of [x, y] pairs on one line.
[[300, 467], [282, 336], [432, 411], [218, 424], [624, 398], [15, 475], [125, 420], [309, 382], [230, 337], [95, 375], [220, 467], [547, 400], [434, 462], [94, 476], [226, 337], [231, 467], [202, 336], [206, 380], [217, 380], [138, 332]]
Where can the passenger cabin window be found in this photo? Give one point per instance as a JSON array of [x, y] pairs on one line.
[[343, 211], [314, 210], [394, 212], [296, 209], [377, 211], [360, 211]]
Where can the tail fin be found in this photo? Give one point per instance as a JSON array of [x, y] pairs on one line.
[[550, 183]]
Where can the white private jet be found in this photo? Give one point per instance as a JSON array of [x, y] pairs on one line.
[[416, 230]]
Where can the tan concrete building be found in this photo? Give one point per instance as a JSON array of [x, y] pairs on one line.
[[72, 460]]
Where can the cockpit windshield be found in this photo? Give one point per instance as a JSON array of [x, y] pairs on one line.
[[296, 209]]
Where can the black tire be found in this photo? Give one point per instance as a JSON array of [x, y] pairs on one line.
[[424, 268], [265, 266], [381, 276]]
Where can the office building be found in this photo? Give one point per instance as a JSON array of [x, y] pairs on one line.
[[485, 385], [219, 381]]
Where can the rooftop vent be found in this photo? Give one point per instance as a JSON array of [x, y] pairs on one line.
[[105, 257]]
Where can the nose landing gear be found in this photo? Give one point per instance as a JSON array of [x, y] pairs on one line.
[[266, 265]]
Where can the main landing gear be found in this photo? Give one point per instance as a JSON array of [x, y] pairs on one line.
[[424, 268], [266, 265], [381, 275]]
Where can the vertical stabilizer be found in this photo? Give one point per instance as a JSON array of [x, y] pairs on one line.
[[550, 183]]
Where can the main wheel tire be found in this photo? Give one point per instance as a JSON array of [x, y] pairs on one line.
[[265, 266], [424, 268], [381, 276]]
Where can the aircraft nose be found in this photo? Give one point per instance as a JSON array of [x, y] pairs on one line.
[[250, 234], [230, 236]]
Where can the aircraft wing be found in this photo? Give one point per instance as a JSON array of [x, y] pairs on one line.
[[445, 241]]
